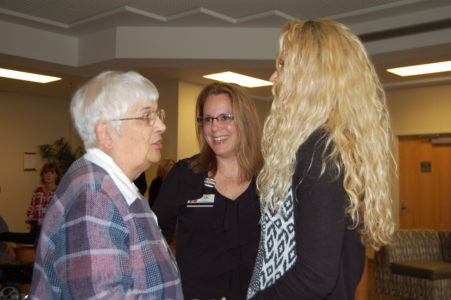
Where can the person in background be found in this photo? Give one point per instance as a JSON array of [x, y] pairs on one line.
[[50, 177], [141, 183], [99, 239], [6, 249], [7, 252], [325, 182], [213, 199], [163, 169]]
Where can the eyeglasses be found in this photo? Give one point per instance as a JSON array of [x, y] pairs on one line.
[[221, 119], [149, 116]]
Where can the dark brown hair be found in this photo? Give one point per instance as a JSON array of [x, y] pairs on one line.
[[163, 165], [50, 167], [248, 127]]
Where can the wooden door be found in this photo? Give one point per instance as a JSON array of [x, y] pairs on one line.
[[425, 194]]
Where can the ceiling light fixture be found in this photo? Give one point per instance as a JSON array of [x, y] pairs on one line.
[[27, 76], [437, 67], [243, 80]]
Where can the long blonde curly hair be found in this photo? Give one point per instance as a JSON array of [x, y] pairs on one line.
[[325, 80]]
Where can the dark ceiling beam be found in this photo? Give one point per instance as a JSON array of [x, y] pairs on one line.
[[402, 31]]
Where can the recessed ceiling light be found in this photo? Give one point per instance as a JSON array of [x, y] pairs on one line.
[[243, 80], [27, 76], [437, 67]]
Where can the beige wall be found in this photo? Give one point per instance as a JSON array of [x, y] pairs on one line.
[[263, 108], [187, 144], [168, 101], [420, 110], [26, 122]]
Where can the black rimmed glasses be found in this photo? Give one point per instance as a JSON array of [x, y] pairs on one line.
[[150, 117], [221, 119]]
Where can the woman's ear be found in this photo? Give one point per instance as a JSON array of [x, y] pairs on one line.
[[105, 134]]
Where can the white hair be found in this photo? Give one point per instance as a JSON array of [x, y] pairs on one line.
[[106, 97]]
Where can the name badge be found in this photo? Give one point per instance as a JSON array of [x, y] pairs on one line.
[[207, 200]]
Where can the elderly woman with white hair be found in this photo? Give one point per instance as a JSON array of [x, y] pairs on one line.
[[100, 240]]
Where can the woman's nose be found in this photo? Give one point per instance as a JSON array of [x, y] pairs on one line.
[[159, 126], [273, 77], [216, 124]]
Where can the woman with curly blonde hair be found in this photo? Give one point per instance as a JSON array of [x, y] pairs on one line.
[[324, 186]]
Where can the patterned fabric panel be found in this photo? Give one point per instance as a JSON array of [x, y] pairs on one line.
[[445, 240], [415, 245], [277, 250]]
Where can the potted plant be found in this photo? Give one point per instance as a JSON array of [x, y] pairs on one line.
[[60, 152]]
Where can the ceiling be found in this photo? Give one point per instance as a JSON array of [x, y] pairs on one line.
[[183, 40]]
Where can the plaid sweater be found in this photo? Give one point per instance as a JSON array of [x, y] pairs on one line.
[[38, 205], [93, 245]]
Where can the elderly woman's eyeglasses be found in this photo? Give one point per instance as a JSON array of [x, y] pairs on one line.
[[221, 119], [150, 117]]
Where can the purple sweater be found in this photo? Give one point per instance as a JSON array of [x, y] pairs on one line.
[[94, 245]]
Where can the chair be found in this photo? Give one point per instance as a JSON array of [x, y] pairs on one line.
[[415, 266]]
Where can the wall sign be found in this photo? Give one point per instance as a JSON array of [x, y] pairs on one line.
[[29, 161]]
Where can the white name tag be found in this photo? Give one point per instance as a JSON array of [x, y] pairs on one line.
[[207, 200]]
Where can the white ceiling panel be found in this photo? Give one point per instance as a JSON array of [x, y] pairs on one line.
[[395, 32]]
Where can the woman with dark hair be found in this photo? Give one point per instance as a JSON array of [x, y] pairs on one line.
[[164, 167], [212, 197], [42, 195]]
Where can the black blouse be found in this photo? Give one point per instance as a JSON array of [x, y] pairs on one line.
[[217, 240]]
